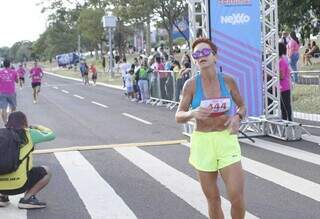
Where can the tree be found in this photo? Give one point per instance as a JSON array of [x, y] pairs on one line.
[[135, 12], [4, 52], [171, 11], [300, 15], [90, 26]]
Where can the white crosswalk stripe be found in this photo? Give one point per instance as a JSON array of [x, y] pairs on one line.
[[285, 150], [12, 211], [96, 194]]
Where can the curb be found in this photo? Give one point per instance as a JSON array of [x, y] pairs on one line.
[[77, 79]]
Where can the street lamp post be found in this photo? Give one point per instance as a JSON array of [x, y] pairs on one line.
[[109, 24]]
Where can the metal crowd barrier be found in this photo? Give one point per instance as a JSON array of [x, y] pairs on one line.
[[306, 96], [163, 89]]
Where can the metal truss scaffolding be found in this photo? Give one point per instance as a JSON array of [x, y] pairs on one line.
[[269, 13], [198, 19], [270, 123]]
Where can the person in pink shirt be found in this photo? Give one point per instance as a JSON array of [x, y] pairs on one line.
[[36, 74], [285, 83], [8, 78], [158, 68], [293, 53], [21, 72]]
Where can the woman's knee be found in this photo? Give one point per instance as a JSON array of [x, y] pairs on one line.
[[214, 199], [236, 198], [48, 171]]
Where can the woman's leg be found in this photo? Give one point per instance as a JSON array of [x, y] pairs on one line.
[[141, 87], [34, 94], [208, 181], [39, 185], [233, 178], [286, 105]]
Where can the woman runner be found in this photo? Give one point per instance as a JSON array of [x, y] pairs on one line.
[[214, 144]]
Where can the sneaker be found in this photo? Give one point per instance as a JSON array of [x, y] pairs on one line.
[[31, 203], [133, 100], [4, 201], [141, 101], [34, 101]]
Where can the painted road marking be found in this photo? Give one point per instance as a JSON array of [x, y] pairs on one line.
[[97, 147], [292, 182], [172, 179], [64, 91], [12, 211], [285, 150], [77, 96], [136, 118], [312, 138], [99, 104], [96, 194], [289, 181]]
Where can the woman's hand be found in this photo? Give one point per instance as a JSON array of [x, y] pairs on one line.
[[200, 113], [233, 124]]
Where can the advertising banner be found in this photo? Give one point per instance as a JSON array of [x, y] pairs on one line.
[[235, 28]]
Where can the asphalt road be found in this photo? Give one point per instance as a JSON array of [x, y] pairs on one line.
[[151, 182]]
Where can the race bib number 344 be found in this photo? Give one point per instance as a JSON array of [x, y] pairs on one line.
[[219, 105]]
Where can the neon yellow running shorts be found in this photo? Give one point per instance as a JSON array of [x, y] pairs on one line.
[[211, 151]]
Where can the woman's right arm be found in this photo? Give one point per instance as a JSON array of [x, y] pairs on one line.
[[41, 134], [183, 113]]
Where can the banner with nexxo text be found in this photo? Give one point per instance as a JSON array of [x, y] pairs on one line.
[[236, 29]]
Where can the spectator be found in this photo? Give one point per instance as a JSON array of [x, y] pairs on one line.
[[161, 75], [26, 179], [117, 57], [176, 72], [285, 83], [186, 59], [293, 53], [103, 63], [168, 66], [284, 38], [143, 82], [129, 84], [183, 76], [314, 48], [124, 68], [8, 77]]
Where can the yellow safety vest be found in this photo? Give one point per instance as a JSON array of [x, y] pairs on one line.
[[17, 179]]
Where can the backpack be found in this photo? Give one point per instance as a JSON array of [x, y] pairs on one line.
[[10, 151]]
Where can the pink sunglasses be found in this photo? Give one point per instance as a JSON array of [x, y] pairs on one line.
[[205, 52]]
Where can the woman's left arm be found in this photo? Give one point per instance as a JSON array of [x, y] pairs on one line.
[[235, 93]]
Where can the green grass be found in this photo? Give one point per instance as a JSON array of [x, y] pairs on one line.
[[306, 98], [102, 76]]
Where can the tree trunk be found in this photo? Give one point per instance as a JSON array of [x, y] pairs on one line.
[[170, 29], [148, 37]]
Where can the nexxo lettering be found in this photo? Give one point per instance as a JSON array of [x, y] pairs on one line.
[[239, 18]]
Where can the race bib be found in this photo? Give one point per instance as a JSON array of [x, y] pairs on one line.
[[218, 105]]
